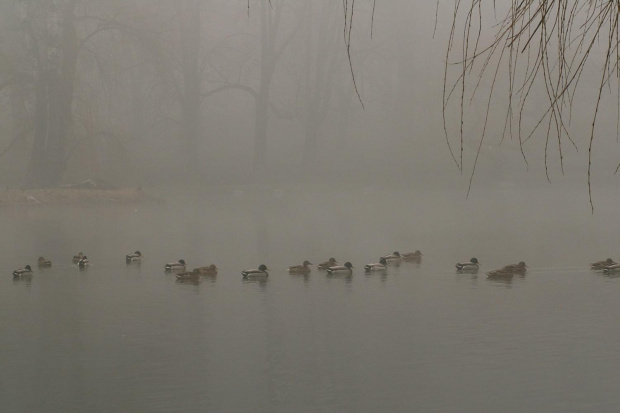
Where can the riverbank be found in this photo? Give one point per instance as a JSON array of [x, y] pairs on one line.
[[73, 196]]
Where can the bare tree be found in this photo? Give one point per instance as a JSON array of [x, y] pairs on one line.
[[55, 55], [538, 49]]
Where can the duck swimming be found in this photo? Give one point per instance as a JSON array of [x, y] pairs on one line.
[[22, 271], [376, 267], [412, 256], [42, 262], [77, 257], [394, 257], [611, 268], [325, 265], [83, 262], [509, 270], [260, 272], [501, 273], [175, 266], [519, 268], [471, 266], [135, 257], [210, 270], [300, 269], [186, 275], [601, 265], [341, 269]]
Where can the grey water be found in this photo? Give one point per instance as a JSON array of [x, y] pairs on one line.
[[131, 338]]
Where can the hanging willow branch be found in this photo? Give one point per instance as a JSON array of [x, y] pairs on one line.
[[542, 44]]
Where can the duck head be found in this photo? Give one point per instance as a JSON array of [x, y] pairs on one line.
[[474, 260], [263, 267], [348, 264], [182, 261], [383, 261], [306, 263], [28, 268]]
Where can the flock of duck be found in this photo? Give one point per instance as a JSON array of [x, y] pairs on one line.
[[331, 266]]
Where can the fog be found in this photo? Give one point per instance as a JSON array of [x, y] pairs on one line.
[[261, 138], [162, 93]]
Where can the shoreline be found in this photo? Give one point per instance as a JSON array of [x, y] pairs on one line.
[[74, 196]]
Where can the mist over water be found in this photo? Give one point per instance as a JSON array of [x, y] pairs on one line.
[[243, 122], [133, 338]]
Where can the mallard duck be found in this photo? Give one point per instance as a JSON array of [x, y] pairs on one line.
[[188, 274], [600, 265], [509, 270], [376, 267], [22, 271], [175, 266], [300, 269], [42, 262], [135, 257], [501, 273], [612, 268], [412, 256], [340, 269], [77, 257], [519, 268], [83, 262], [210, 270], [471, 266], [325, 265], [393, 257], [260, 272]]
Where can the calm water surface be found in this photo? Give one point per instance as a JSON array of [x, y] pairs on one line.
[[419, 338]]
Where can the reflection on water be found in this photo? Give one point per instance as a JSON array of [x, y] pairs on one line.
[[419, 336], [23, 279]]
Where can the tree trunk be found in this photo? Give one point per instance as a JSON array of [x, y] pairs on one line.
[[269, 28], [54, 98], [190, 99]]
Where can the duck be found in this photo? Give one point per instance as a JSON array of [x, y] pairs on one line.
[[341, 269], [83, 262], [611, 268], [471, 266], [209, 270], [501, 273], [325, 265], [185, 275], [22, 271], [260, 272], [519, 268], [393, 257], [77, 257], [300, 269], [135, 257], [509, 270], [412, 256], [601, 265], [377, 267], [42, 262], [175, 266]]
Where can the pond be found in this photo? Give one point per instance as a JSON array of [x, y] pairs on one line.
[[117, 337]]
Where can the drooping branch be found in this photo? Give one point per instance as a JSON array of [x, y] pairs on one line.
[[544, 46]]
